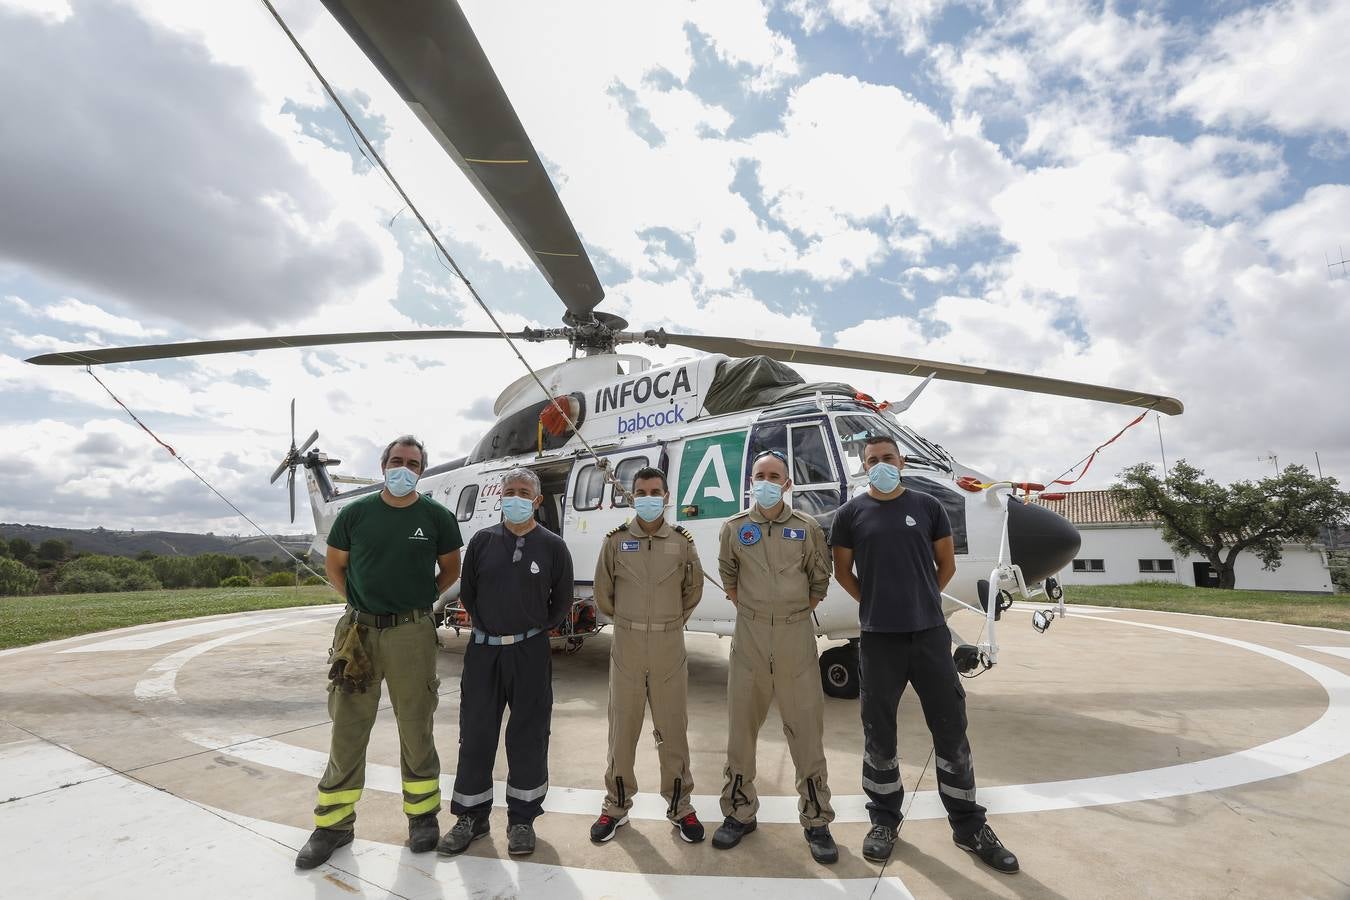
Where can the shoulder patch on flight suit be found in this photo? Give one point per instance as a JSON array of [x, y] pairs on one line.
[[749, 534], [687, 536]]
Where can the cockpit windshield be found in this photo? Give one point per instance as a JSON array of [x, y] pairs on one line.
[[854, 429]]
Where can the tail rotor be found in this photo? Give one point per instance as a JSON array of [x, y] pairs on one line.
[[293, 458]]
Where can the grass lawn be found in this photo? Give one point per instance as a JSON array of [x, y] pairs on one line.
[[47, 617], [1326, 610]]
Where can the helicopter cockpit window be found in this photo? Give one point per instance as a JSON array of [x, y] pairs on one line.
[[624, 473], [464, 506], [590, 489], [810, 457], [856, 429]]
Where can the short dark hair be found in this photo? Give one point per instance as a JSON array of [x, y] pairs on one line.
[[881, 439], [404, 440], [648, 472]]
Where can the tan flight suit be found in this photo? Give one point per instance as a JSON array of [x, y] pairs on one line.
[[776, 567], [648, 584]]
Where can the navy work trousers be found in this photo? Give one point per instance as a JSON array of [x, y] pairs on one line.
[[494, 677], [887, 662]]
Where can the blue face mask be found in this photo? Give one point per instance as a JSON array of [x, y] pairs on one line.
[[517, 510], [649, 509], [400, 481], [884, 477], [766, 493]]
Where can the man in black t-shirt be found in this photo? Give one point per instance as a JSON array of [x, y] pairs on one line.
[[900, 542]]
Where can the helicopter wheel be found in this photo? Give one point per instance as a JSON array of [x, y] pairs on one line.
[[839, 671]]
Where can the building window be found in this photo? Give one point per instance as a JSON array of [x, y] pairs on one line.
[[1157, 565], [590, 489], [467, 498], [1089, 565]]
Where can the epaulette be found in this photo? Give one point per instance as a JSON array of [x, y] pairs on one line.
[[744, 512], [615, 530], [687, 536]]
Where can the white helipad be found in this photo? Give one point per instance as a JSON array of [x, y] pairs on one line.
[[1123, 754]]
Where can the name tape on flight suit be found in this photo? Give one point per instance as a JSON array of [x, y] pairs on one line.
[[794, 534], [630, 545]]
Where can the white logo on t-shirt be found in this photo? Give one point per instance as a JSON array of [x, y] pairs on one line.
[[909, 520], [417, 536], [534, 567]]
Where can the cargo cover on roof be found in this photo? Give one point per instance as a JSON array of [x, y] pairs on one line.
[[760, 381]]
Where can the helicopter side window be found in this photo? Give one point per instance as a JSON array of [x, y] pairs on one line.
[[590, 489], [855, 430], [464, 506], [810, 458], [624, 473]]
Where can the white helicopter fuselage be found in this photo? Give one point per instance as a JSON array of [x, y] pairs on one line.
[[634, 415]]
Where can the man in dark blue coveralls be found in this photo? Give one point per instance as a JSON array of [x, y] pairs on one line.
[[901, 542]]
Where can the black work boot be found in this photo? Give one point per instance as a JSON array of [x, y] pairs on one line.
[[879, 843], [520, 839], [821, 842], [423, 833], [731, 832], [467, 829], [986, 845], [321, 845]]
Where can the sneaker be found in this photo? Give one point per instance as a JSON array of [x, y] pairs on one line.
[[731, 832], [468, 828], [986, 845], [821, 842], [423, 833], [879, 843], [321, 845], [690, 829], [520, 839], [605, 827]]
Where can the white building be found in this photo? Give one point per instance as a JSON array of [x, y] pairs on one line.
[[1118, 549]]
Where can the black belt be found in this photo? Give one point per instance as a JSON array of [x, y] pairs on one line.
[[388, 620]]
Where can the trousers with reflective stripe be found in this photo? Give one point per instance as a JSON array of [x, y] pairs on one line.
[[776, 663], [519, 676], [648, 668], [404, 660], [887, 662]]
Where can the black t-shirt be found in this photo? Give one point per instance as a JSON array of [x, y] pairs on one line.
[[892, 543], [506, 597]]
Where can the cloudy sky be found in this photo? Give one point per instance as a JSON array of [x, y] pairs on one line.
[[1138, 194]]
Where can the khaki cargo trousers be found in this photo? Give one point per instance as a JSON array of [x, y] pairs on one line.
[[773, 659], [404, 657], [648, 667]]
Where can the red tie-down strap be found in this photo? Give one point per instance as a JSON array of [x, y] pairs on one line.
[[1093, 455]]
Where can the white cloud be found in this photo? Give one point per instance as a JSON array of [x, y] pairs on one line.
[[75, 312], [1282, 65], [46, 10]]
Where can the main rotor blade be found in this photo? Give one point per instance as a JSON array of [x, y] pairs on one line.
[[428, 52], [203, 348], [292, 421], [305, 446], [904, 365], [290, 489]]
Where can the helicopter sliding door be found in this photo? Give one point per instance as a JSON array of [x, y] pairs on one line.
[[592, 506]]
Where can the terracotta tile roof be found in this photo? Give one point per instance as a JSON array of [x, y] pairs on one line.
[[1091, 508]]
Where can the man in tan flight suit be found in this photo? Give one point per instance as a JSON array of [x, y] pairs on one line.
[[775, 568], [648, 580]]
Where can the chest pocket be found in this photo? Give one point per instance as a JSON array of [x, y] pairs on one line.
[[785, 553]]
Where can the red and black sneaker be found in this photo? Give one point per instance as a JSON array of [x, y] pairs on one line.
[[605, 827], [690, 828]]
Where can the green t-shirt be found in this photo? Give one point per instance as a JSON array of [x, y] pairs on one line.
[[393, 552]]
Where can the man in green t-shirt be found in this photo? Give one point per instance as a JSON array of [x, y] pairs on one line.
[[389, 555]]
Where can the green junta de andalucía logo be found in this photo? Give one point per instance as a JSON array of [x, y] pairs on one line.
[[711, 469]]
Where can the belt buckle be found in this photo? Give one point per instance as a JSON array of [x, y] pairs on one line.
[[509, 639]]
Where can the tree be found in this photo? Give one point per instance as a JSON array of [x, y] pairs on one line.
[[53, 549], [98, 574], [20, 548], [1203, 518], [16, 578]]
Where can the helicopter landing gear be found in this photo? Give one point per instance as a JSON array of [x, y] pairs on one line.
[[839, 671]]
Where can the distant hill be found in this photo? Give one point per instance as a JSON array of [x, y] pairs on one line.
[[161, 543]]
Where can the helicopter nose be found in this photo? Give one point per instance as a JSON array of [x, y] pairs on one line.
[[1041, 542]]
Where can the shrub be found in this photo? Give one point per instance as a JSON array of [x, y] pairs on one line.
[[16, 578], [313, 580], [175, 571], [236, 581], [210, 569], [20, 548], [280, 579], [94, 573], [53, 550]]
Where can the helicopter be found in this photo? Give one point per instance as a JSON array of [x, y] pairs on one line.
[[587, 424]]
